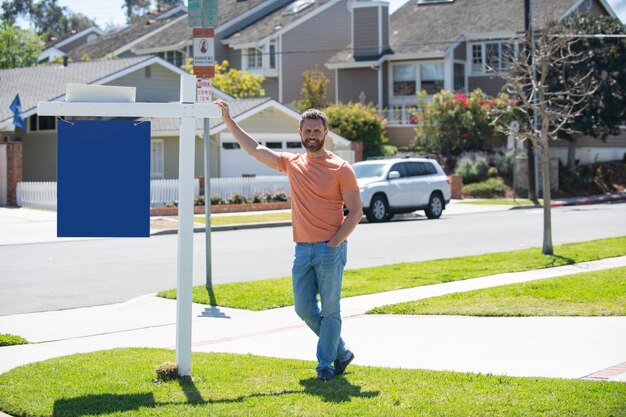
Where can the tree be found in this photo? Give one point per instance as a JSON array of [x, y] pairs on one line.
[[47, 17], [136, 8], [166, 4], [605, 111], [232, 81], [450, 124], [313, 90], [18, 47], [556, 105], [358, 122]]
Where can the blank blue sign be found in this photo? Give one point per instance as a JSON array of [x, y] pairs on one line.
[[103, 178]]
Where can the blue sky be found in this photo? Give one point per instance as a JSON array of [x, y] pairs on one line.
[[111, 11]]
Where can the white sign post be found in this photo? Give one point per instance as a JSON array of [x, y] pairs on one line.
[[187, 110]]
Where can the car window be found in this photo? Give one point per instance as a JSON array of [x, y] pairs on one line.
[[414, 169], [428, 168], [369, 170], [401, 168]]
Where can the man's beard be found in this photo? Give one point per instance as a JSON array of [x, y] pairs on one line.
[[314, 146]]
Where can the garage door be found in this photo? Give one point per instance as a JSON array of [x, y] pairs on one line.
[[235, 162]]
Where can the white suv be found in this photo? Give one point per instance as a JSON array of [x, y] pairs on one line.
[[402, 185]]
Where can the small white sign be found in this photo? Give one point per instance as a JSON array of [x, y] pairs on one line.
[[204, 52], [203, 90]]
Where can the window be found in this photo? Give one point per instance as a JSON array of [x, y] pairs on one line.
[[414, 169], [409, 78], [432, 78], [42, 123], [255, 58], [294, 145], [156, 159], [428, 168], [401, 168], [493, 56], [459, 77], [173, 57], [298, 6], [274, 145], [230, 145], [404, 80], [477, 58], [272, 55]]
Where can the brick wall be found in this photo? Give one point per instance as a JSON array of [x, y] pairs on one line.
[[14, 170]]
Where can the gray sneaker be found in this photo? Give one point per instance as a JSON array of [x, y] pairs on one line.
[[340, 366]]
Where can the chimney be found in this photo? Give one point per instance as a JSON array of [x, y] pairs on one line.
[[370, 28]]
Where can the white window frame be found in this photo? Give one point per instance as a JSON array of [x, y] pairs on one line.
[[254, 61], [399, 100], [260, 62], [480, 68], [157, 146]]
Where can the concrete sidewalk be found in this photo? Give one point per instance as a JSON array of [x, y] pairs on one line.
[[560, 347]]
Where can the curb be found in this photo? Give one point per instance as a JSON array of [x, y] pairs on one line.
[[246, 226], [229, 227]]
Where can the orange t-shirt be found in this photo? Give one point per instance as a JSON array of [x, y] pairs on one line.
[[317, 188]]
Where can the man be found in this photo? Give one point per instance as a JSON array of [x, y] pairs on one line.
[[321, 184]]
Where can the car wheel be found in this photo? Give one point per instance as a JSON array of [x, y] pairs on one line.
[[435, 206], [379, 210]]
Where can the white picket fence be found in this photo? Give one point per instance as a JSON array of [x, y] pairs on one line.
[[38, 195], [43, 195], [248, 186]]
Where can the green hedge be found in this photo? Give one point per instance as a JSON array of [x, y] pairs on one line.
[[491, 188]]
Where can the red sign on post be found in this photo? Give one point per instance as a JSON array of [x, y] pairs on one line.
[[203, 52]]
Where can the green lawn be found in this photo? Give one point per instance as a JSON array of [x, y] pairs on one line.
[[276, 292], [243, 218], [601, 293], [10, 340], [120, 383]]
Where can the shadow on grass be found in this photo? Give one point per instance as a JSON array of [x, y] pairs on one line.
[[568, 261], [335, 391], [102, 404]]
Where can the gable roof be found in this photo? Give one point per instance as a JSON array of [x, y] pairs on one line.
[[429, 29], [274, 24], [47, 83], [121, 41], [59, 43], [178, 35]]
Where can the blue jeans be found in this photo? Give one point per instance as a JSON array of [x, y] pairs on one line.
[[318, 269]]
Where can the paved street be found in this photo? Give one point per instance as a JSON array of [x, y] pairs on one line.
[[78, 273]]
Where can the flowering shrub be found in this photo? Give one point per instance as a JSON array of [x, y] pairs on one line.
[[450, 124], [358, 122]]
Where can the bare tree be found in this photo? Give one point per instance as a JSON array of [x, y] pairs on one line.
[[552, 104]]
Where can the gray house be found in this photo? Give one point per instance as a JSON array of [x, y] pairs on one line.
[[30, 154], [60, 48], [439, 44]]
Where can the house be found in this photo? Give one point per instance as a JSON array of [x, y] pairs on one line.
[[441, 44], [31, 153], [60, 48], [120, 43], [277, 39]]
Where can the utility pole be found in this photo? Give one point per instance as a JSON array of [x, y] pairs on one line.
[[530, 152]]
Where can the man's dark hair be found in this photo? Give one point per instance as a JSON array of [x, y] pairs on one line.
[[314, 114]]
